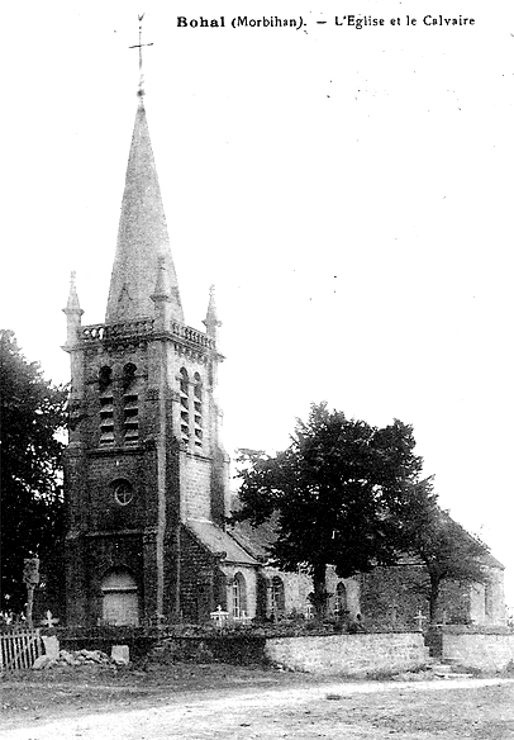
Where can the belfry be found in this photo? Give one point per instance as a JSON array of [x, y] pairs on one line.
[[146, 476]]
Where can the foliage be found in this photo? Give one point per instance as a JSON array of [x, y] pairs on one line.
[[31, 416], [447, 550], [336, 492]]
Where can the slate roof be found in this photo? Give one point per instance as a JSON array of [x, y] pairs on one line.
[[255, 540], [218, 541]]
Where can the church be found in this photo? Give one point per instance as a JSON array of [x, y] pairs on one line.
[[146, 474]]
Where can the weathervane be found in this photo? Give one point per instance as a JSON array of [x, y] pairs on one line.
[[139, 46]]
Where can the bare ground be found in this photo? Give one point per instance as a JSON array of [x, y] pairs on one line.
[[194, 702]]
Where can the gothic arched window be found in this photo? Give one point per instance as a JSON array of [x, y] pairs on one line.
[[341, 601], [104, 377], [239, 596], [488, 599], [277, 596]]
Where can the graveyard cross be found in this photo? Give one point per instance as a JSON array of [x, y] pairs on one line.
[[219, 616], [420, 618], [139, 46], [49, 620]]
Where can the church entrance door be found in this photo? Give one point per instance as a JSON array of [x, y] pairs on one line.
[[120, 599]]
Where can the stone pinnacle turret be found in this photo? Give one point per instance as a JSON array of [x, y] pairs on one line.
[[73, 313], [211, 320]]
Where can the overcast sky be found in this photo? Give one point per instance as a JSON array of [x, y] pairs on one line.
[[348, 191]]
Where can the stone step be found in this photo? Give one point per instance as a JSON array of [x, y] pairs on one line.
[[447, 670], [441, 668]]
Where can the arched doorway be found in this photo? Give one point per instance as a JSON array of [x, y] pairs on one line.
[[120, 603]]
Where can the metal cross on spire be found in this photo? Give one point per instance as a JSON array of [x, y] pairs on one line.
[[139, 46]]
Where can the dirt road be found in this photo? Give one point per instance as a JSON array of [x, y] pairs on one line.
[[482, 709]]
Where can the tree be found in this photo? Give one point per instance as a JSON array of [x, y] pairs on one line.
[[336, 493], [449, 552], [31, 417]]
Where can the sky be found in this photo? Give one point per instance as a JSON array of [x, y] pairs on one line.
[[349, 193]]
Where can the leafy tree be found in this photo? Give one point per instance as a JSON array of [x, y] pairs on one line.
[[31, 417], [449, 552], [337, 493]]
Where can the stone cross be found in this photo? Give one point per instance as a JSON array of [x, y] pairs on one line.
[[420, 618], [49, 620]]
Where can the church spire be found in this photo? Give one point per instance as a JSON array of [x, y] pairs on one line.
[[143, 240]]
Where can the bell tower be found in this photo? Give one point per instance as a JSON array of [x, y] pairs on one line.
[[146, 477]]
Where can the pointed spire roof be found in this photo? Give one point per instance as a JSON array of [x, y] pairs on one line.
[[73, 313], [143, 240], [211, 320], [73, 304]]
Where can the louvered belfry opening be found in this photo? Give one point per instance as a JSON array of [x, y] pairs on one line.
[[130, 405]]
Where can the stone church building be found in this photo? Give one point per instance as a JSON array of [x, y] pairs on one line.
[[146, 475]]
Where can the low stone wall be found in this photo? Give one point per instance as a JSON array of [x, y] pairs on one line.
[[349, 655], [234, 649], [483, 651]]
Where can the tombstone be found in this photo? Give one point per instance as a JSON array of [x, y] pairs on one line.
[[120, 654], [51, 645]]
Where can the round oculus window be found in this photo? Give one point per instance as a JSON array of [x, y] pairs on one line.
[[123, 493]]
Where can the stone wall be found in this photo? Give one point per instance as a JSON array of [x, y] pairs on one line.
[[392, 597], [487, 600], [485, 650], [297, 587], [195, 483], [350, 655], [196, 579]]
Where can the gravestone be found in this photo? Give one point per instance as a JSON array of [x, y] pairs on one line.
[[120, 654], [51, 645], [40, 663]]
